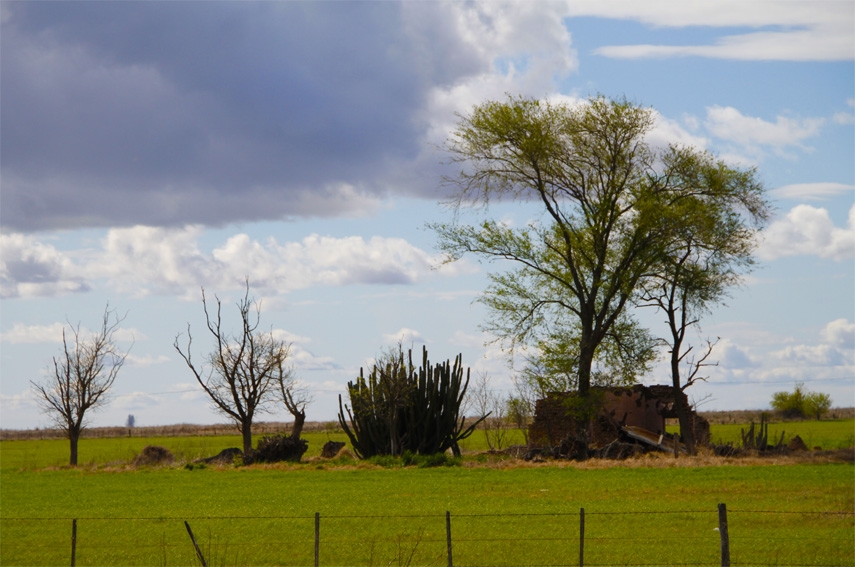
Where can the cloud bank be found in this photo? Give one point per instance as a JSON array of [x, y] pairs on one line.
[[175, 113], [144, 260]]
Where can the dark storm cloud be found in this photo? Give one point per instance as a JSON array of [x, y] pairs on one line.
[[168, 113]]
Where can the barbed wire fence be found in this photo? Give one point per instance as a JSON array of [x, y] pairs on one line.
[[554, 539]]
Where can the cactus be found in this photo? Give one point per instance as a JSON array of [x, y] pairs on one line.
[[760, 441], [400, 408]]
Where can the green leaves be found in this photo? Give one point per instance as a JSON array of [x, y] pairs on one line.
[[622, 222], [801, 403]]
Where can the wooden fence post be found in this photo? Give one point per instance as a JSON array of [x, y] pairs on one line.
[[193, 539], [581, 537], [448, 537], [317, 538], [73, 541], [725, 541]]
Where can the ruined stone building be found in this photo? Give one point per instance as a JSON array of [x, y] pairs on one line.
[[637, 408]]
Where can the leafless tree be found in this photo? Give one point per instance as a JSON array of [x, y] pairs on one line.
[[246, 371], [295, 399], [81, 377], [488, 402]]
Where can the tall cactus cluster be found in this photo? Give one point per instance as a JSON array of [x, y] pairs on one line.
[[400, 408]]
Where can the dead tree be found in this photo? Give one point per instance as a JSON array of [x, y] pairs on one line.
[[244, 370], [81, 378], [295, 400]]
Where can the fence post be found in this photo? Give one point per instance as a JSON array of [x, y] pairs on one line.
[[317, 538], [193, 539], [581, 537], [73, 541], [448, 537], [725, 541]]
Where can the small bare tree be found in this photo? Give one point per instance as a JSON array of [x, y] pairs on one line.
[[81, 377], [295, 399], [246, 371], [488, 403]]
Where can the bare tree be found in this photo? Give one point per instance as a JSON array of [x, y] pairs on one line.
[[295, 399], [245, 370], [81, 377], [488, 402]]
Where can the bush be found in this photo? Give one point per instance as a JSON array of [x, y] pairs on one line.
[[800, 403], [154, 455], [277, 448], [410, 459]]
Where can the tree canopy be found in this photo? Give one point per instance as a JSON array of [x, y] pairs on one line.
[[615, 214]]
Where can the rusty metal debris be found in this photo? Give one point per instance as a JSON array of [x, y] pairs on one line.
[[661, 441]]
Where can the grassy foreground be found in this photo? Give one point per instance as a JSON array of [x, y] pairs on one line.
[[645, 511]]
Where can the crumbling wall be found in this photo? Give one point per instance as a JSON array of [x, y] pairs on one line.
[[551, 424], [641, 406]]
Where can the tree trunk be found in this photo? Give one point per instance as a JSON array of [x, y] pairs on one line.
[[73, 438], [586, 361], [246, 432], [687, 430], [299, 420]]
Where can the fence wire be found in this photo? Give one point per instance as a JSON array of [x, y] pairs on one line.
[[548, 539]]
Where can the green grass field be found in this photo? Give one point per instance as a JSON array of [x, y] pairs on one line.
[[837, 434], [798, 514]]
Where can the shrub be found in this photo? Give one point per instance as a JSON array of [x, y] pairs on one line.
[[277, 448], [410, 459], [801, 403], [154, 455]]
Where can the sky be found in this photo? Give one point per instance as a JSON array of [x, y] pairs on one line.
[[152, 149]]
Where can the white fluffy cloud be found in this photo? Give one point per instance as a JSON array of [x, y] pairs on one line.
[[812, 191], [808, 230], [39, 334], [753, 133], [755, 367], [835, 348], [405, 336], [29, 268], [150, 260], [519, 47], [33, 334], [840, 333], [806, 30], [147, 360]]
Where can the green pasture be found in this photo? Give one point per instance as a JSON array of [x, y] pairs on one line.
[[831, 434], [106, 450], [783, 515], [40, 454], [524, 515]]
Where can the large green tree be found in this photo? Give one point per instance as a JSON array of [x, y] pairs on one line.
[[612, 214]]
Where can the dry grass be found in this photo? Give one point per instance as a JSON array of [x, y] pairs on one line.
[[657, 460], [177, 430], [747, 416], [273, 427]]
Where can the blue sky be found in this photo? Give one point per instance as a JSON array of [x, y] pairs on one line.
[[150, 149]]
